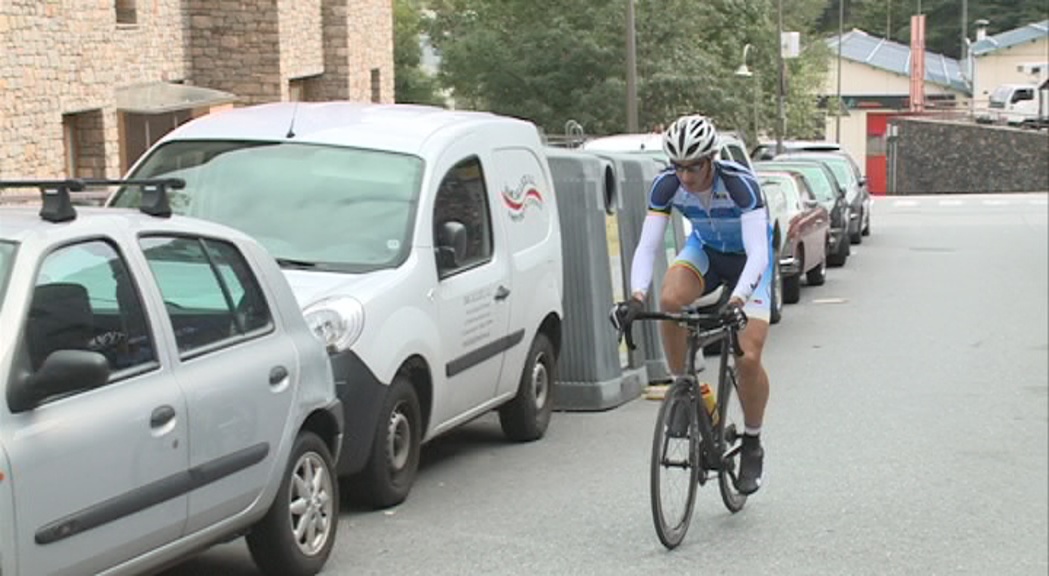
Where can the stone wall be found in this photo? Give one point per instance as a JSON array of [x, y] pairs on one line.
[[943, 157], [60, 58]]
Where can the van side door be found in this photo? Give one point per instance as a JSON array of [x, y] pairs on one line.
[[473, 291]]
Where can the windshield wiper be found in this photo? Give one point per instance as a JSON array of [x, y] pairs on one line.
[[292, 263]]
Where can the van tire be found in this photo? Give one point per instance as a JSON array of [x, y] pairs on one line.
[[526, 417], [388, 476], [271, 542]]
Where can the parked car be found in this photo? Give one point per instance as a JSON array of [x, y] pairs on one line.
[[856, 192], [767, 150], [830, 194], [423, 244], [162, 393], [806, 229]]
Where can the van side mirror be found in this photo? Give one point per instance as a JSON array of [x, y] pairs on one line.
[[451, 245], [62, 372]]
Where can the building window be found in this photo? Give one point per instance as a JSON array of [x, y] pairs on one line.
[[140, 131], [126, 13], [376, 85]]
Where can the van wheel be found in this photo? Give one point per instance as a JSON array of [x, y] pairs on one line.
[[390, 472], [526, 417], [296, 535]]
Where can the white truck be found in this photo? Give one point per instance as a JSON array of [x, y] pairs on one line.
[[423, 245], [1022, 104]]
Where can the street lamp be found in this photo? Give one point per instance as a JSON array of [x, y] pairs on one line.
[[744, 72]]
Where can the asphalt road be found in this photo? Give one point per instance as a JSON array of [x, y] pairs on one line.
[[906, 434]]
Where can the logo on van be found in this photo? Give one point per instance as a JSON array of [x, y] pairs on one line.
[[519, 199]]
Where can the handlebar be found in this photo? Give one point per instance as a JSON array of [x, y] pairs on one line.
[[704, 325]]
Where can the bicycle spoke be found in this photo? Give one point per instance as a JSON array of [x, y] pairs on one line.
[[674, 467]]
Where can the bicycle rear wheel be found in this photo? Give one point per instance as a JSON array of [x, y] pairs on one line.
[[675, 465], [732, 417]]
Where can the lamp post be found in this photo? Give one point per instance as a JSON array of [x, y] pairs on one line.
[[744, 72], [841, 38], [781, 117]]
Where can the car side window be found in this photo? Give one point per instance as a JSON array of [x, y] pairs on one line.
[[209, 291], [86, 299], [738, 155], [462, 220]]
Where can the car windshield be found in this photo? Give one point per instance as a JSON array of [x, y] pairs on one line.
[[821, 185], [1001, 94], [7, 261], [782, 186], [843, 172], [311, 206]]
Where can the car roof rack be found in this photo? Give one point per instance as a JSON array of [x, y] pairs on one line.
[[57, 206]]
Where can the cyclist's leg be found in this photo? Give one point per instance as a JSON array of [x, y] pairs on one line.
[[685, 281], [754, 384]]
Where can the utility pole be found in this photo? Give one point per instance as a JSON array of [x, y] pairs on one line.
[[965, 30], [781, 118], [841, 39], [631, 70]]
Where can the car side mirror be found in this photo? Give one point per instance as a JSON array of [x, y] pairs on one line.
[[451, 245], [62, 372], [810, 203], [863, 181]]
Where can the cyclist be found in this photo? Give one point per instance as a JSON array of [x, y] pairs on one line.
[[731, 242]]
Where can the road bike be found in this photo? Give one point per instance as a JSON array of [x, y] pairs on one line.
[[690, 445]]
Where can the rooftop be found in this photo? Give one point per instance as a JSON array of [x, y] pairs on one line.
[[1010, 38], [859, 46]]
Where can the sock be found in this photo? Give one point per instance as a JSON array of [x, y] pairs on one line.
[[751, 436], [748, 431]]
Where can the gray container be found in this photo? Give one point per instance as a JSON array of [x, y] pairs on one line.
[[592, 376], [635, 173]]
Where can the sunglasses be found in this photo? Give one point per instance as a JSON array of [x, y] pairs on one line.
[[693, 169]]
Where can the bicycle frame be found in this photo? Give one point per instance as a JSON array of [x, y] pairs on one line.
[[704, 329]]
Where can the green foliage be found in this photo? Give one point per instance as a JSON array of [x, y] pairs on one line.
[[552, 61], [411, 84]]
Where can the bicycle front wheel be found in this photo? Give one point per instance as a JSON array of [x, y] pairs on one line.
[[675, 465]]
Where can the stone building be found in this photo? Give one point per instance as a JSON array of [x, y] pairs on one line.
[[87, 86]]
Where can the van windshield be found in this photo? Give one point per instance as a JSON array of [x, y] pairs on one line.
[[311, 206]]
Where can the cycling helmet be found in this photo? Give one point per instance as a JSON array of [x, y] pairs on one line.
[[690, 138]]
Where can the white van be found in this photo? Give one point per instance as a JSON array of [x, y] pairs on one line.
[[1012, 104], [423, 244]]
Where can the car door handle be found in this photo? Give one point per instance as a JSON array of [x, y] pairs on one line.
[[161, 416], [278, 374], [502, 293]]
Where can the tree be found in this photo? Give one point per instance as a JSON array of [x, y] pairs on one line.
[[412, 85], [552, 61]]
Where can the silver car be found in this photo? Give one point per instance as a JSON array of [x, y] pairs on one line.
[[161, 393]]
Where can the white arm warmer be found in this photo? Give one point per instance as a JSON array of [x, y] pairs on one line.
[[648, 246], [756, 243]]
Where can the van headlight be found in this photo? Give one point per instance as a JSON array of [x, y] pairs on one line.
[[337, 322]]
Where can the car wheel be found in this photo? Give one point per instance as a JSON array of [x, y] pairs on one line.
[[390, 472], [818, 275], [839, 258], [296, 535], [792, 283], [526, 417], [776, 311]]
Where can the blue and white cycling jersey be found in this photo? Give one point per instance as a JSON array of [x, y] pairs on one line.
[[735, 193]]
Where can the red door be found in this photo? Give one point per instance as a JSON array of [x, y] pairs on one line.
[[877, 126]]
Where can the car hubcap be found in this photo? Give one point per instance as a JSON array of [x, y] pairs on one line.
[[540, 381], [312, 508], [398, 439]]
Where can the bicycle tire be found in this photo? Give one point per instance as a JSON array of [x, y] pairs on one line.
[[671, 531], [732, 434]]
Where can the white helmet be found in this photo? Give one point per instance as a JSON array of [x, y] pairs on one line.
[[690, 138]]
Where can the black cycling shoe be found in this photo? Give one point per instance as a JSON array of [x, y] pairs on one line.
[[751, 456]]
